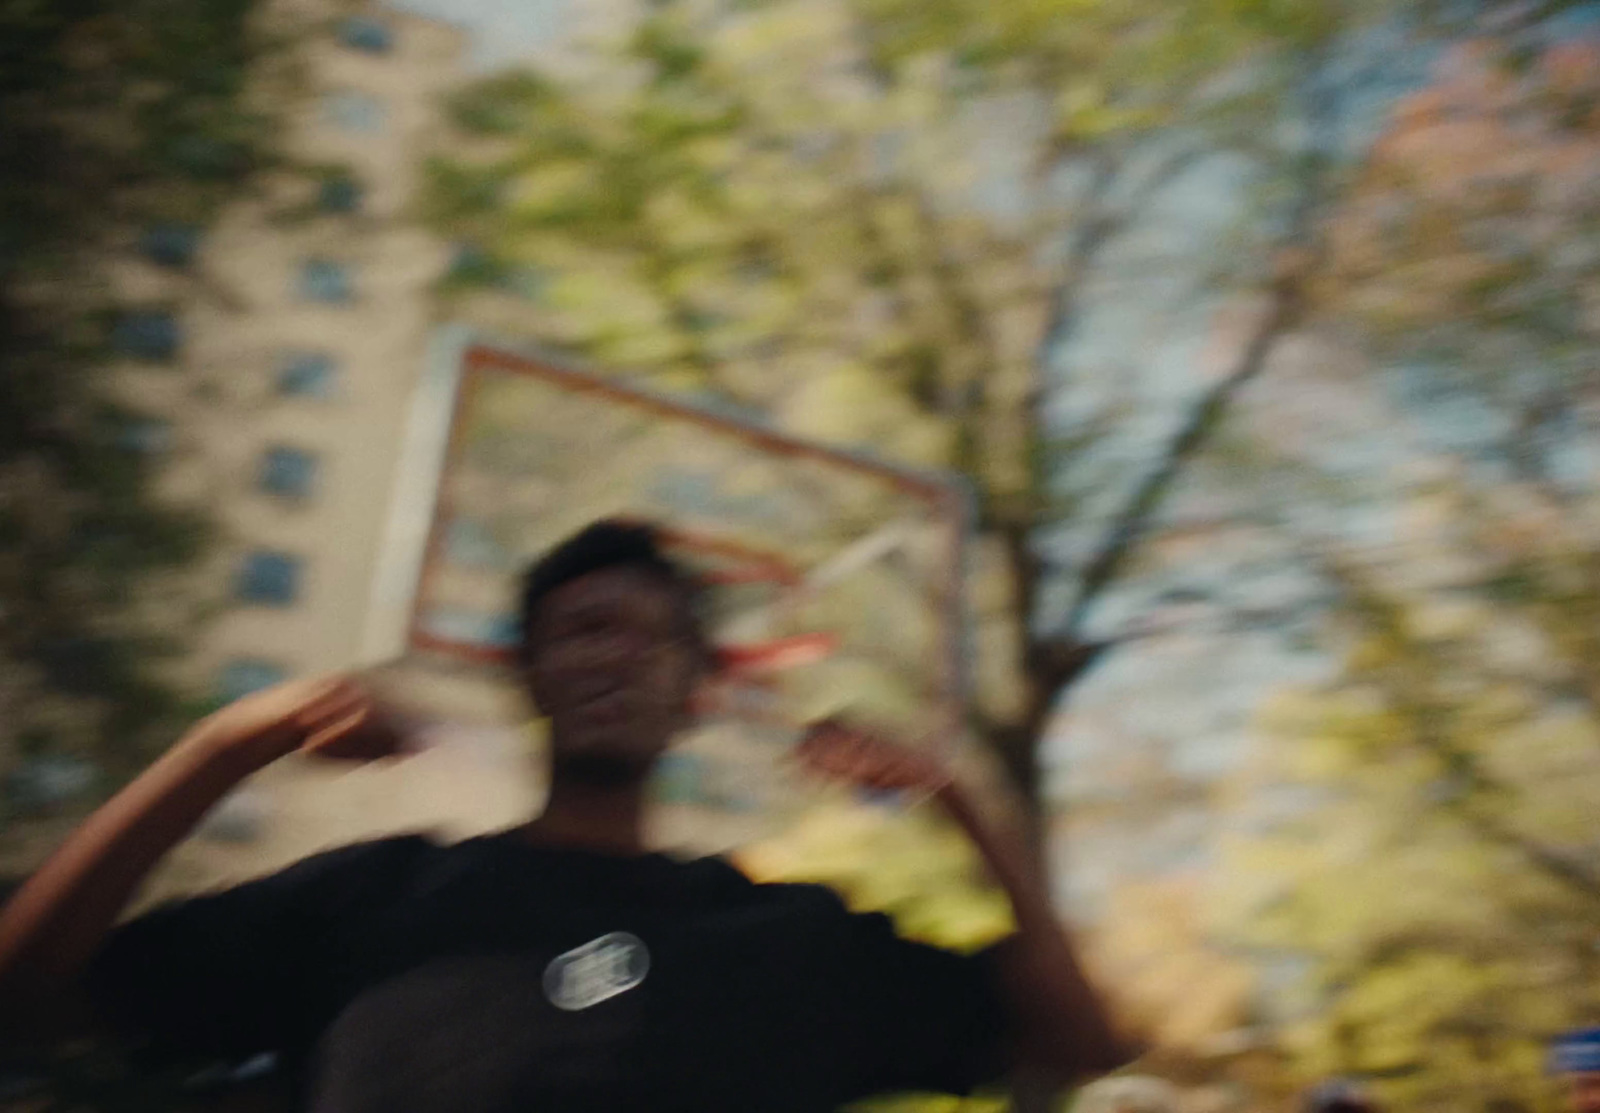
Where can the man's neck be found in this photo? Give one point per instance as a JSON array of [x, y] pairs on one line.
[[607, 818]]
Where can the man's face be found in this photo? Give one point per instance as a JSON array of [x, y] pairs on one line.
[[610, 664], [1583, 1092]]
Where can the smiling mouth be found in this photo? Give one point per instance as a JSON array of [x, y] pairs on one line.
[[603, 699]]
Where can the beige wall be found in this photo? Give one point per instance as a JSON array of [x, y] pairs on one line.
[[242, 309], [377, 339]]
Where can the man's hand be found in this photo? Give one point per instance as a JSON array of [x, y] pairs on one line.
[[54, 924], [1062, 1028], [327, 717], [846, 753]]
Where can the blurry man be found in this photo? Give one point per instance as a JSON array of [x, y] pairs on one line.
[[556, 966], [1575, 1058]]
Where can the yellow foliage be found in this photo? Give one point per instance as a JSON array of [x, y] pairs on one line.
[[913, 867], [539, 191], [1154, 950], [922, 441], [846, 404], [1442, 951], [684, 225], [1446, 235]]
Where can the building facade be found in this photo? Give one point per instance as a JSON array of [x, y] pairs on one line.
[[300, 326], [273, 358]]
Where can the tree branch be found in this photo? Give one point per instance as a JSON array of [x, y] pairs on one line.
[[1294, 256], [1409, 689], [1050, 665], [1092, 233], [1125, 531], [1566, 871], [1099, 226], [965, 310]]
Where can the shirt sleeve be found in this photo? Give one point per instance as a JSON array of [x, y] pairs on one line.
[[930, 1020], [239, 971]]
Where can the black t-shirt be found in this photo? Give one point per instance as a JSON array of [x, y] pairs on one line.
[[492, 976]]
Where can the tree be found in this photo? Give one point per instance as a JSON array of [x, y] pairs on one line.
[[780, 209], [1468, 246], [122, 126], [1435, 874], [1420, 841], [801, 210], [793, 209]]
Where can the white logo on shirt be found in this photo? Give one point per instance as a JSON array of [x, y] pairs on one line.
[[596, 971]]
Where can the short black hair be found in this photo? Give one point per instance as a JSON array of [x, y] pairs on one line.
[[610, 543]]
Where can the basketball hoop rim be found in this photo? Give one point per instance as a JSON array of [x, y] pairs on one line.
[[949, 496]]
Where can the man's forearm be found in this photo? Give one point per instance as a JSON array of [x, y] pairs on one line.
[[52, 927], [1062, 1025]]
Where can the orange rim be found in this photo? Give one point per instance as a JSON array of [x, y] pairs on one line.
[[776, 655]]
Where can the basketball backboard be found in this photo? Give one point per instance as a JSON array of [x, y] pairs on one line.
[[837, 577]]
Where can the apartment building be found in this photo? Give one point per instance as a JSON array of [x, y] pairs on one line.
[[274, 357], [279, 358]]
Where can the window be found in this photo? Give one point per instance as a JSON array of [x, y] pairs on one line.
[[287, 472], [354, 111], [241, 677], [472, 265], [171, 245], [325, 281], [148, 334], [41, 782], [339, 195], [147, 436], [306, 375], [367, 35], [271, 579]]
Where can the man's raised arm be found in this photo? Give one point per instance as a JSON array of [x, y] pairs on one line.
[[1061, 1028], [53, 926]]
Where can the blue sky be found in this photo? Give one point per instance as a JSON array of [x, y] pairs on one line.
[[502, 31]]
